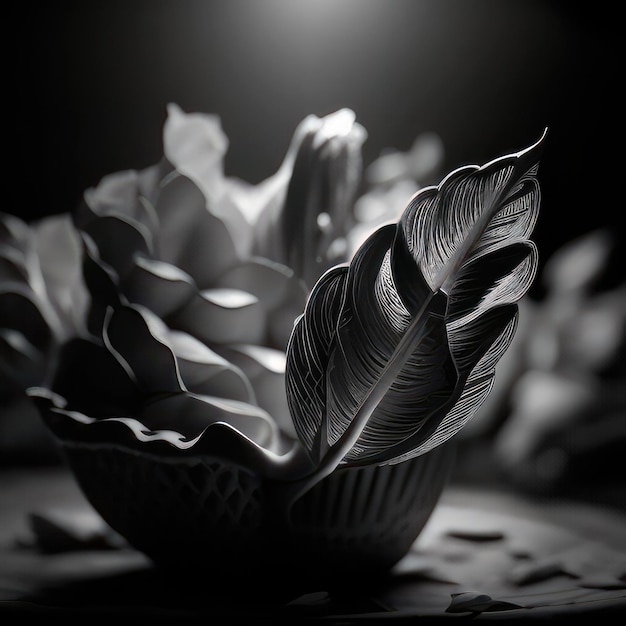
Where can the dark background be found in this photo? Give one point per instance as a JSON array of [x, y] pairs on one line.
[[92, 80], [85, 88]]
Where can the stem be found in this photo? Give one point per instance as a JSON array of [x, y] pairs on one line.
[[405, 347]]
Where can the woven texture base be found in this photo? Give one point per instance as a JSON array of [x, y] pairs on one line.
[[201, 512]]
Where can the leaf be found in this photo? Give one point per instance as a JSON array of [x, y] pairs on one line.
[[396, 351]]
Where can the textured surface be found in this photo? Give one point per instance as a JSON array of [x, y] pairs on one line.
[[198, 511], [493, 555]]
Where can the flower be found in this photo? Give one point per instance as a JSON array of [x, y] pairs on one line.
[[198, 284], [172, 407], [210, 273], [215, 268], [42, 305], [213, 301]]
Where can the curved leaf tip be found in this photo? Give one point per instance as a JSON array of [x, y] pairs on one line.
[[397, 350]]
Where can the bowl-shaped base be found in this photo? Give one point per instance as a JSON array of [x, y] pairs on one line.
[[202, 513]]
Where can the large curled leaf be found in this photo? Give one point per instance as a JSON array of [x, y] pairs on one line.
[[395, 352]]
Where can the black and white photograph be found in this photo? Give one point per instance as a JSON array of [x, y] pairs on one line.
[[313, 311]]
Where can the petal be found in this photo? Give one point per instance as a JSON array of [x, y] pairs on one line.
[[265, 368], [20, 361], [281, 294], [191, 414], [189, 236], [12, 267], [252, 200], [15, 244], [118, 240], [221, 316], [127, 193], [159, 286], [132, 335], [59, 248], [319, 201], [102, 284], [18, 253], [20, 310], [195, 145], [150, 431], [106, 432], [14, 232], [267, 280], [93, 381], [206, 372]]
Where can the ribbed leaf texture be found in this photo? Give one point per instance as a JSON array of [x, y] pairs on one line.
[[396, 350]]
